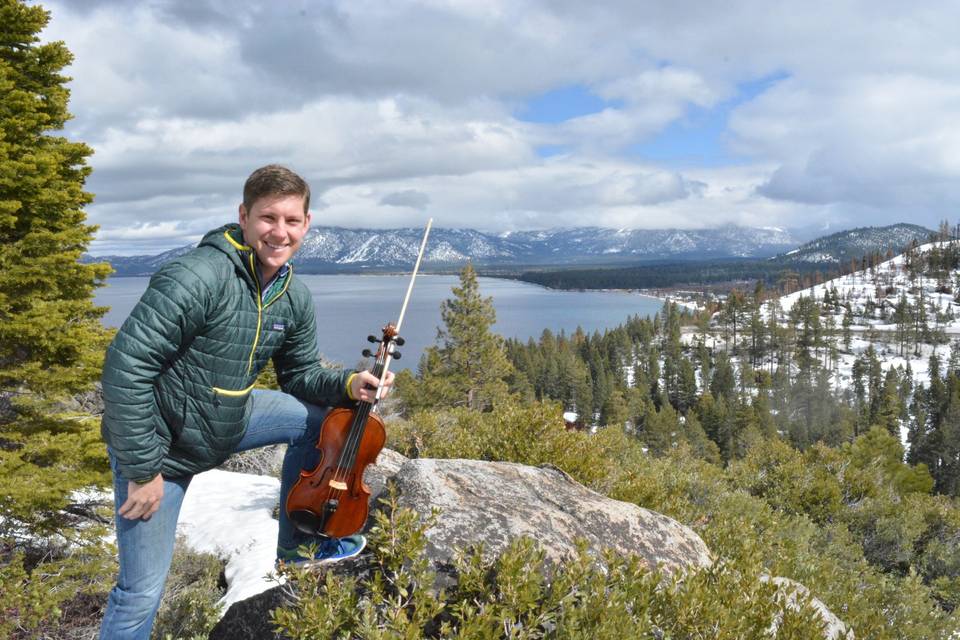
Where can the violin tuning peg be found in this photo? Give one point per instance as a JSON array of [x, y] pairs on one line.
[[398, 341], [373, 339], [396, 355], [367, 353]]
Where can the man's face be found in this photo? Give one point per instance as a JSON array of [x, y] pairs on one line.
[[274, 226]]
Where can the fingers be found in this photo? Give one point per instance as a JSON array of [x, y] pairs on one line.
[[368, 386], [142, 501], [136, 510]]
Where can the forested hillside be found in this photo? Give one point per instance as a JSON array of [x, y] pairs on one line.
[[776, 427]]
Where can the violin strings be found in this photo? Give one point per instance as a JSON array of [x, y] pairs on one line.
[[355, 436]]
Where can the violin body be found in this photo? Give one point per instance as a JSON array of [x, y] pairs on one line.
[[331, 499]]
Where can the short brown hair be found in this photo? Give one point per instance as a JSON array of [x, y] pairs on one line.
[[274, 180]]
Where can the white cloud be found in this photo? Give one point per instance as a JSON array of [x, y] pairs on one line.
[[369, 99], [406, 198]]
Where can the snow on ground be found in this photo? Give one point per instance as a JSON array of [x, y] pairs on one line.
[[860, 286], [230, 514], [884, 286]]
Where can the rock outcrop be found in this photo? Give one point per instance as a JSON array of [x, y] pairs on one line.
[[792, 591], [494, 503]]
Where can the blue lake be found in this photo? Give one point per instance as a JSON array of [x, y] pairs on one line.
[[349, 307]]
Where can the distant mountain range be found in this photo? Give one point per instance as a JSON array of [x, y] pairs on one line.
[[839, 248], [825, 255], [340, 250]]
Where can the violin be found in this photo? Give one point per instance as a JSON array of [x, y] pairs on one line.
[[331, 499]]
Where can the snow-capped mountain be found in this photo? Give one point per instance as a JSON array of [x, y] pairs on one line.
[[340, 250], [839, 248]]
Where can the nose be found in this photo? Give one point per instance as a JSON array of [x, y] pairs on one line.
[[279, 229]]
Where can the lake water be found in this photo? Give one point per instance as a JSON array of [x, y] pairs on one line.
[[350, 307]]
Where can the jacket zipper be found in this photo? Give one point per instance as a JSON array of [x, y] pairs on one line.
[[260, 308], [256, 337]]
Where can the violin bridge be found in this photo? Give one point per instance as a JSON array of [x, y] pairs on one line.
[[340, 486]]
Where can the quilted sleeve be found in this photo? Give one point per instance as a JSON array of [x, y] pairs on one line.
[[298, 366], [167, 317]]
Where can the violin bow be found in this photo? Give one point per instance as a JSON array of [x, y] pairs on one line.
[[403, 311]]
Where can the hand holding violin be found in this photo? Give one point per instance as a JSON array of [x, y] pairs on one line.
[[363, 386]]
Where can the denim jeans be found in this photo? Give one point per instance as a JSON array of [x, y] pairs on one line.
[[146, 546]]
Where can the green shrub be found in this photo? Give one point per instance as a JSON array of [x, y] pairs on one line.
[[54, 595], [190, 606], [518, 596], [532, 434]]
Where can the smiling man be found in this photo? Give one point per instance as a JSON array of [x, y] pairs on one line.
[[178, 386]]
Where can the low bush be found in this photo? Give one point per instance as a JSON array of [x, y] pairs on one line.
[[518, 596], [190, 606], [56, 596]]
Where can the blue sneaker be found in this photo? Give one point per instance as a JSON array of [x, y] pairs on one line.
[[328, 550]]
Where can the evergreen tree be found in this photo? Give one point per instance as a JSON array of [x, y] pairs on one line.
[[51, 340], [846, 324], [705, 358], [47, 317], [888, 416], [653, 368], [687, 386], [745, 427], [723, 383], [918, 436], [659, 428], [469, 367], [697, 438], [946, 445]]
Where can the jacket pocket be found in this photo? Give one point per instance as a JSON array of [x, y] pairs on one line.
[[226, 417]]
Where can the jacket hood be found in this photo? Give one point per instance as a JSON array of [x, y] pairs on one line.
[[229, 240]]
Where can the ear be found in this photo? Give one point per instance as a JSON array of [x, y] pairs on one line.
[[306, 221], [242, 210]]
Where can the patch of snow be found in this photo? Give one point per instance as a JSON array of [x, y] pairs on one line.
[[231, 515]]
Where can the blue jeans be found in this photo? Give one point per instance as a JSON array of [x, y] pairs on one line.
[[146, 546]]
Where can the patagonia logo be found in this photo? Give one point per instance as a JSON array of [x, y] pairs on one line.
[[278, 326]]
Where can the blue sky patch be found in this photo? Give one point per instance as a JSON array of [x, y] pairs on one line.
[[699, 138], [565, 103], [550, 150]]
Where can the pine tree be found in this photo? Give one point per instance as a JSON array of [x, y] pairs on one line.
[[702, 446], [946, 444], [47, 317], [687, 386], [723, 382], [51, 340], [469, 367], [846, 324], [888, 416]]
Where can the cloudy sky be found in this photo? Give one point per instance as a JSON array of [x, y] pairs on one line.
[[516, 114]]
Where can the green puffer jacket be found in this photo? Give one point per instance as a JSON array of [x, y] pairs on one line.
[[178, 375]]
